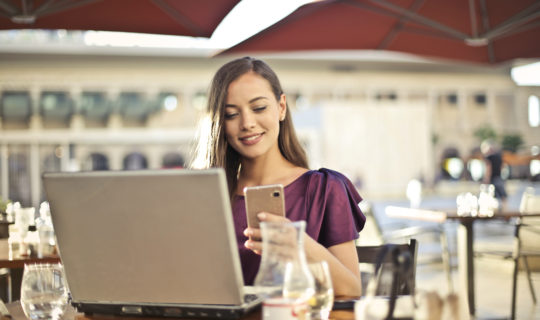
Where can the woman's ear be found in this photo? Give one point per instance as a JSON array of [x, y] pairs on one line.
[[282, 107]]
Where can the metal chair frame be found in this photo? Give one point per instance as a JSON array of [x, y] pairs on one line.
[[369, 255]]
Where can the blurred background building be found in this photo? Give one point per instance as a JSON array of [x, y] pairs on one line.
[[68, 106]]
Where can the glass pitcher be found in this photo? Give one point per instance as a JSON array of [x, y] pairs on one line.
[[284, 271]]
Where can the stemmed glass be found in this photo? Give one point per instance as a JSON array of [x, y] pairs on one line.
[[322, 301], [44, 293]]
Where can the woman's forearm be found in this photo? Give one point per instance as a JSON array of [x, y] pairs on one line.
[[343, 265]]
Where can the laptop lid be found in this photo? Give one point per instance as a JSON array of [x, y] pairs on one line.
[[146, 237]]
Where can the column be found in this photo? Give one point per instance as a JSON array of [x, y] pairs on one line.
[[432, 98], [35, 176], [77, 120], [115, 119], [36, 121], [4, 173], [65, 159], [462, 105], [491, 110]]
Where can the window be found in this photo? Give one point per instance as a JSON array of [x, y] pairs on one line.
[[55, 105], [19, 175], [534, 111], [132, 106], [173, 160], [15, 106], [135, 161], [167, 101], [476, 168], [199, 101], [454, 167], [94, 105], [96, 161]]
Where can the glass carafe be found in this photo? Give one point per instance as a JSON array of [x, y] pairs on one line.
[[284, 271]]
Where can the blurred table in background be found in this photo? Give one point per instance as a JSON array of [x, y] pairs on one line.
[[15, 263], [465, 239]]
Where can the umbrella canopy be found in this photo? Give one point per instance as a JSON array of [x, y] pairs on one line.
[[483, 31], [198, 18]]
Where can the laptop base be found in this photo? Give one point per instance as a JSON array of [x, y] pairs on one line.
[[184, 311]]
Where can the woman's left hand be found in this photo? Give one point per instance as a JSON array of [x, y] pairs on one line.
[[254, 242]]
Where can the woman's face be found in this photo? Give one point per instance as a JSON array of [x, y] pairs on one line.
[[252, 116]]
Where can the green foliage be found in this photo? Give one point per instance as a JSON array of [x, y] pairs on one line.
[[512, 142], [485, 132], [3, 204]]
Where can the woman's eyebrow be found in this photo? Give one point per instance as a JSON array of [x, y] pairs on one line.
[[230, 105], [257, 98]]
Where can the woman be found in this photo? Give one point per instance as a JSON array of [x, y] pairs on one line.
[[253, 139]]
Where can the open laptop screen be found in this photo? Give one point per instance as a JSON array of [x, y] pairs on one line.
[[149, 236]]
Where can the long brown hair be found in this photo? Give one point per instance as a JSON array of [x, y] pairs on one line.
[[213, 147]]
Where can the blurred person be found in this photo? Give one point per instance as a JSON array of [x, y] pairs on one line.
[[252, 137], [494, 161]]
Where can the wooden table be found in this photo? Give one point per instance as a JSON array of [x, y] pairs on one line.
[[17, 314], [465, 239], [15, 262]]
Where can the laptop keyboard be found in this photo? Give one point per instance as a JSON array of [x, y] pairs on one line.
[[250, 297]]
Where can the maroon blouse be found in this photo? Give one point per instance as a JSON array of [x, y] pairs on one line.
[[325, 199]]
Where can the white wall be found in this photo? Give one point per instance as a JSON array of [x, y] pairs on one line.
[[384, 145]]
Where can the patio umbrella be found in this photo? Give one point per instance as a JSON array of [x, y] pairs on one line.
[[196, 18], [482, 31]]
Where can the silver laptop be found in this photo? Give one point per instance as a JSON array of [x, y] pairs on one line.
[[149, 242]]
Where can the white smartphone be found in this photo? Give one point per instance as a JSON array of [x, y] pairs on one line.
[[268, 198]]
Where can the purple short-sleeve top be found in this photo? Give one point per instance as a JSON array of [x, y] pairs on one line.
[[325, 199]]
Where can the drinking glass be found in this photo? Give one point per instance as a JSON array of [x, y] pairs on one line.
[[322, 301], [44, 294]]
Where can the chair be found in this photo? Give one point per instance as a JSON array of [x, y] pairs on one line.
[[405, 233], [526, 234], [5, 273], [370, 254]]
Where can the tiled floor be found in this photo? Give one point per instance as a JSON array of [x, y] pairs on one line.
[[493, 288]]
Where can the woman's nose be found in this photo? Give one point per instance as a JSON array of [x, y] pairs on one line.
[[248, 121]]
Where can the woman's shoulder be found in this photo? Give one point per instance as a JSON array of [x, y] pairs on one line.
[[328, 181], [327, 175]]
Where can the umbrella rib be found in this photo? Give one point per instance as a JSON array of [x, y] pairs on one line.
[[472, 14], [43, 7], [432, 33], [485, 22], [518, 30], [420, 19], [65, 5], [8, 7], [178, 17], [521, 18], [24, 7], [399, 26]]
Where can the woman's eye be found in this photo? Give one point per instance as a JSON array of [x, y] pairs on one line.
[[259, 109], [230, 115]]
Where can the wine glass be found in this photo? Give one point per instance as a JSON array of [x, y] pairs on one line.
[[322, 301], [44, 293]]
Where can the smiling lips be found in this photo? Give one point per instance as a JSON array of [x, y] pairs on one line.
[[251, 139]]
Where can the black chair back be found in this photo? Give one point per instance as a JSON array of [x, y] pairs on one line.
[[402, 256]]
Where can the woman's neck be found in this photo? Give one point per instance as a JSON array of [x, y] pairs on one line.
[[267, 170]]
